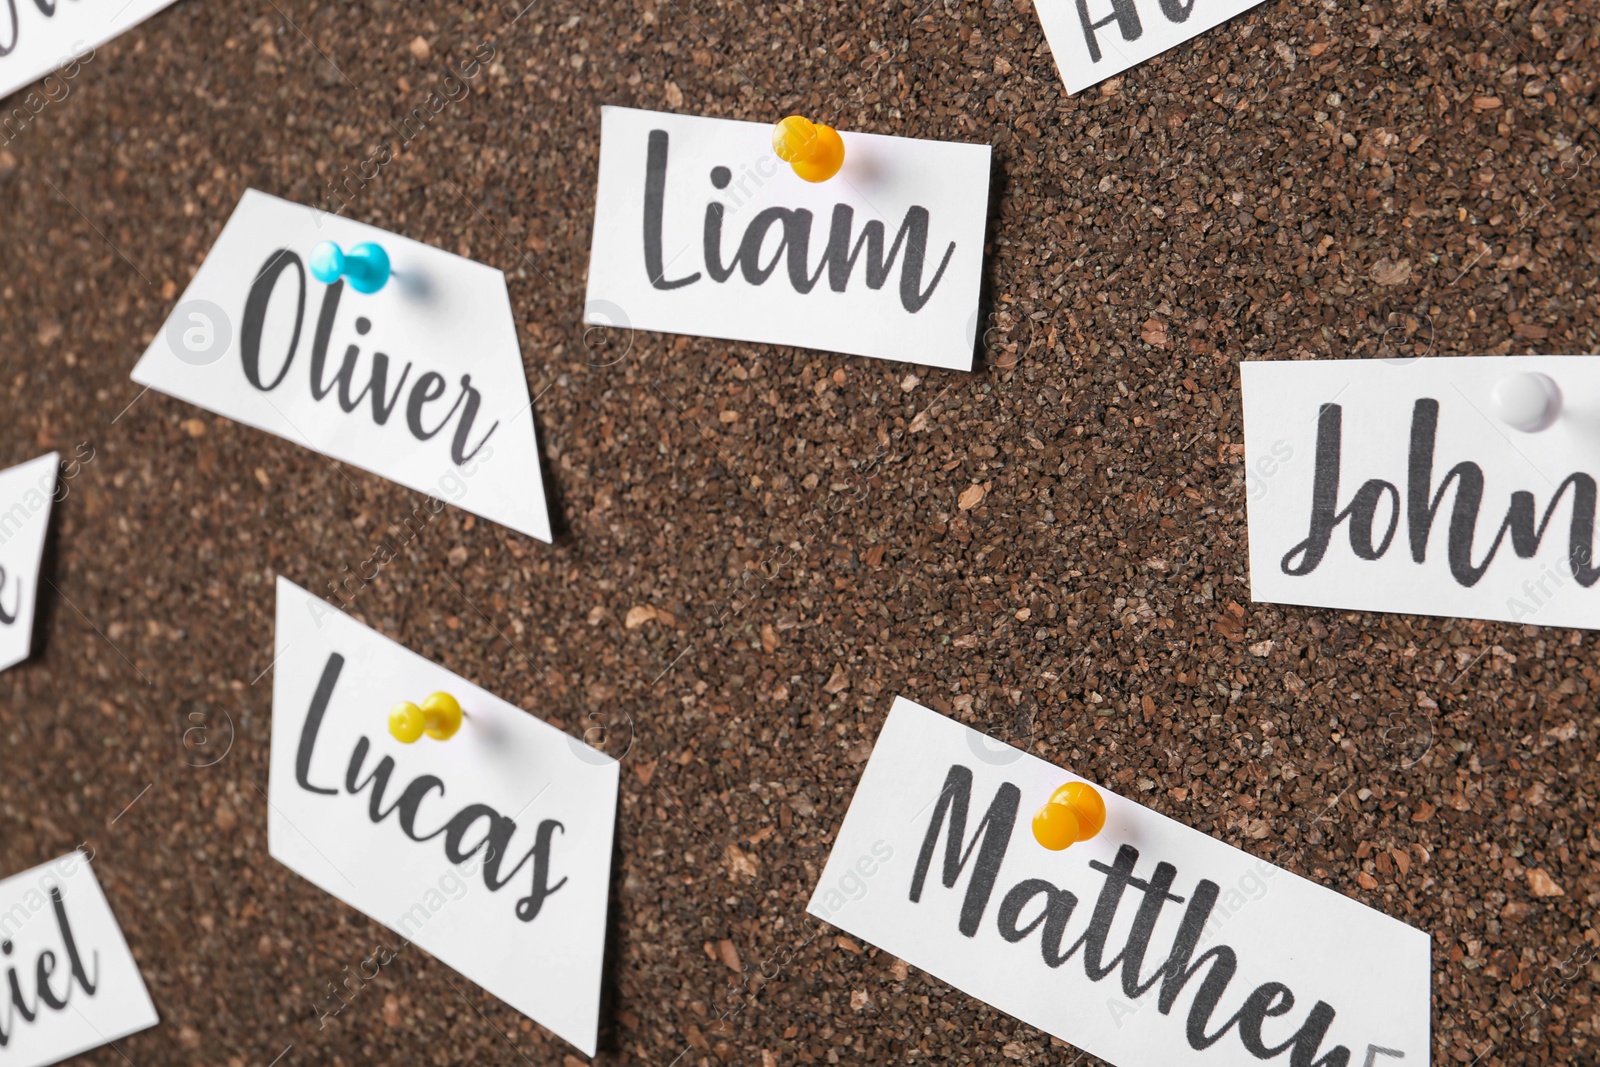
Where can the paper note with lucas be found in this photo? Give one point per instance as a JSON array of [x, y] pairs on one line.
[[490, 850]]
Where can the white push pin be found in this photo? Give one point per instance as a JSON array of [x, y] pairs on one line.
[[1527, 402]]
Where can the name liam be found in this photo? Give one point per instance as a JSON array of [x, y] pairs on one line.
[[839, 255]]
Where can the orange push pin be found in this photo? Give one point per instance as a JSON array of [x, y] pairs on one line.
[[439, 717], [815, 152], [1074, 813]]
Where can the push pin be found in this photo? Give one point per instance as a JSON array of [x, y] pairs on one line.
[[815, 152], [1529, 402], [439, 717], [365, 266], [1074, 813]]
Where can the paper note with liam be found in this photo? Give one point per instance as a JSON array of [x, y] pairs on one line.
[[73, 983], [1145, 943], [490, 850], [701, 229], [26, 493], [420, 381], [1453, 486], [1094, 39], [46, 36]]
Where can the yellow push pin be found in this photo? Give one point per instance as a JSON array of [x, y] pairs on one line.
[[439, 717], [1074, 813], [815, 152]]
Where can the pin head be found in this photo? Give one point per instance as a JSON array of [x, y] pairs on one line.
[[816, 152], [365, 266], [1529, 402], [406, 722], [443, 713], [794, 138], [439, 717], [1075, 812]]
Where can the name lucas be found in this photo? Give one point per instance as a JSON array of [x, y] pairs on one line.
[[495, 836]]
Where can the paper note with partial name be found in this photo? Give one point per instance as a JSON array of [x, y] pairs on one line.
[[1393, 485], [69, 966], [1094, 39], [1150, 943]]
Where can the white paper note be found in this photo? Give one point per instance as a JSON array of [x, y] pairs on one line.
[[77, 977], [39, 36], [700, 229], [421, 382], [26, 493], [1094, 39], [493, 849], [1123, 944], [1391, 485]]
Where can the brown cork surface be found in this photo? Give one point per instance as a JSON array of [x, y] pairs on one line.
[[760, 547]]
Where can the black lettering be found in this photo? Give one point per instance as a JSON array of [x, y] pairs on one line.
[[378, 779], [1325, 516], [1324, 495], [8, 618], [991, 839], [655, 192], [1361, 511], [458, 447], [44, 970], [711, 242], [428, 388], [313, 723], [839, 256], [500, 828], [255, 316], [1219, 963], [41, 980], [410, 800], [5, 50], [796, 225], [382, 399], [19, 1001], [793, 250], [73, 957], [1308, 1040], [1423, 502], [457, 828], [1265, 1002], [1058, 908], [381, 408], [1123, 13], [528, 907], [1156, 896], [319, 344]]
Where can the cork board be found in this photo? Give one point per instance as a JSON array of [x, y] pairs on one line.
[[758, 548]]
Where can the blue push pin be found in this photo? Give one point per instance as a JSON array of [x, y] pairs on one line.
[[365, 266]]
